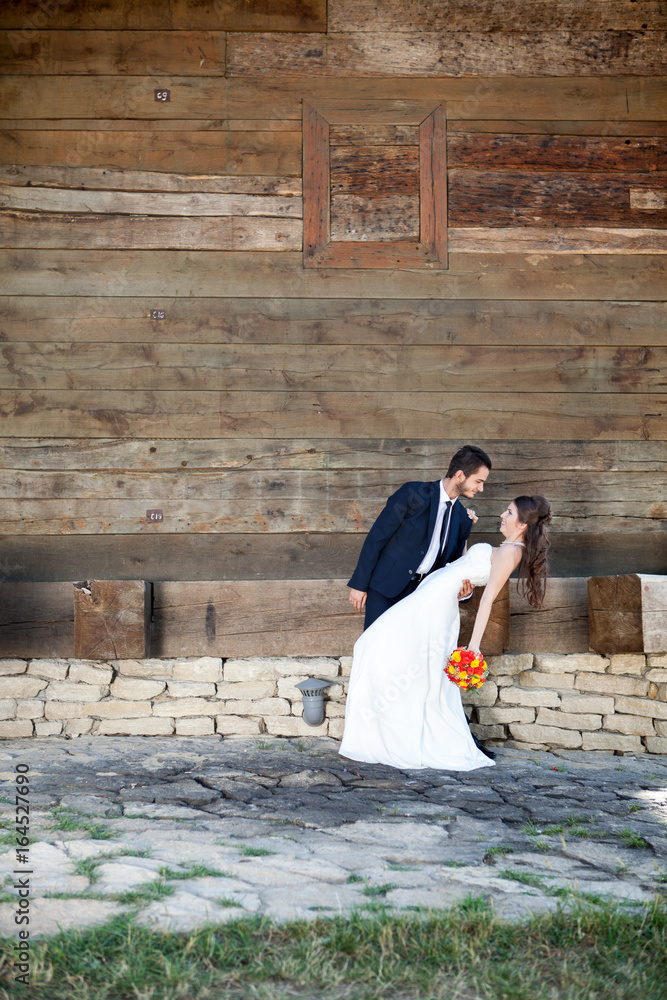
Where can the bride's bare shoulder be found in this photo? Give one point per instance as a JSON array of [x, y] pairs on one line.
[[506, 552]]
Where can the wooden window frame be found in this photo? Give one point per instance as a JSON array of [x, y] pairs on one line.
[[319, 250]]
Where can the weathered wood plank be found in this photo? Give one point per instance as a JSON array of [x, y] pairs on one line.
[[416, 458], [90, 179], [495, 638], [25, 16], [36, 619], [147, 232], [562, 624], [493, 15], [196, 153], [51, 199], [529, 239], [578, 492], [289, 556], [648, 201], [479, 276], [385, 218], [96, 413], [448, 53], [112, 619], [375, 170], [374, 135], [121, 319], [47, 53], [479, 150], [620, 98], [245, 617], [269, 515], [221, 125], [563, 198], [266, 367], [599, 129]]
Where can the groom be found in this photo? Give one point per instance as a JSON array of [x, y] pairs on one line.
[[422, 528]]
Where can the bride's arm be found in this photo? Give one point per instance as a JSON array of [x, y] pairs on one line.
[[504, 563]]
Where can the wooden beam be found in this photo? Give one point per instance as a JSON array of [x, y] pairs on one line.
[[112, 619], [496, 637], [89, 319], [627, 614], [36, 619]]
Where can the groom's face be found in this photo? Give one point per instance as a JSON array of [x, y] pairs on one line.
[[470, 486]]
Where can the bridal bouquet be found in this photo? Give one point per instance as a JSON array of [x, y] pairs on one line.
[[466, 668]]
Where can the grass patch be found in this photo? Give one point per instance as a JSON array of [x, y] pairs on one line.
[[576, 826], [354, 877], [402, 868], [455, 864], [498, 850], [526, 878], [255, 852], [379, 890], [597, 952], [633, 839], [63, 819], [146, 893]]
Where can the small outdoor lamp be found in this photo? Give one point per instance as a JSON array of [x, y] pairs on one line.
[[313, 700]]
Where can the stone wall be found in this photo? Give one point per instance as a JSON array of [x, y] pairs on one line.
[[535, 701]]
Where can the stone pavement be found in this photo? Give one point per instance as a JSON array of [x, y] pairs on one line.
[[184, 831]]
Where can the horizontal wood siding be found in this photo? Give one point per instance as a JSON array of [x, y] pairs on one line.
[[163, 346]]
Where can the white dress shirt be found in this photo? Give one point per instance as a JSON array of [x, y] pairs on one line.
[[434, 548]]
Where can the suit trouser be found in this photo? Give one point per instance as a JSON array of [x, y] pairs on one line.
[[377, 603]]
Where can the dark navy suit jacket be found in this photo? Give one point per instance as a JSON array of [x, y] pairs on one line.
[[399, 539]]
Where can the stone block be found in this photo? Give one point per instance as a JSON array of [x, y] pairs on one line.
[[509, 663], [612, 741], [332, 709], [248, 690], [656, 675], [520, 745], [191, 689], [571, 663], [277, 725], [237, 725], [633, 725], [487, 695], [336, 727], [504, 680], [487, 732], [608, 684], [261, 706], [660, 727], [531, 699], [48, 728], [598, 704], [539, 679], [203, 726], [70, 691], [657, 660], [642, 706], [8, 708], [345, 666], [136, 727], [87, 673], [136, 688], [499, 714], [13, 667], [627, 663], [16, 730], [31, 708], [118, 709], [21, 686], [78, 727], [579, 721], [62, 710], [656, 744], [198, 669], [260, 668], [51, 670], [153, 669], [549, 735], [180, 707]]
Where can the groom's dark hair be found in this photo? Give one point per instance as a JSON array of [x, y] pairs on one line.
[[468, 459]]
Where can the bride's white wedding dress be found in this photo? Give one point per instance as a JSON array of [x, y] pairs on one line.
[[401, 709]]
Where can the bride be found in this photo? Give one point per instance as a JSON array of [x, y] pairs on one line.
[[402, 710]]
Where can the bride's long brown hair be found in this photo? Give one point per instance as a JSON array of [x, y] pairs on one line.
[[533, 568]]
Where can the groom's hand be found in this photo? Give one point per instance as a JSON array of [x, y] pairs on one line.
[[466, 589], [358, 599]]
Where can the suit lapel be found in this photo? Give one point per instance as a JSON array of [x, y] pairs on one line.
[[433, 510]]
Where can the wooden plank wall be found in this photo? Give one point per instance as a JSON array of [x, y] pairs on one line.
[[273, 408]]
